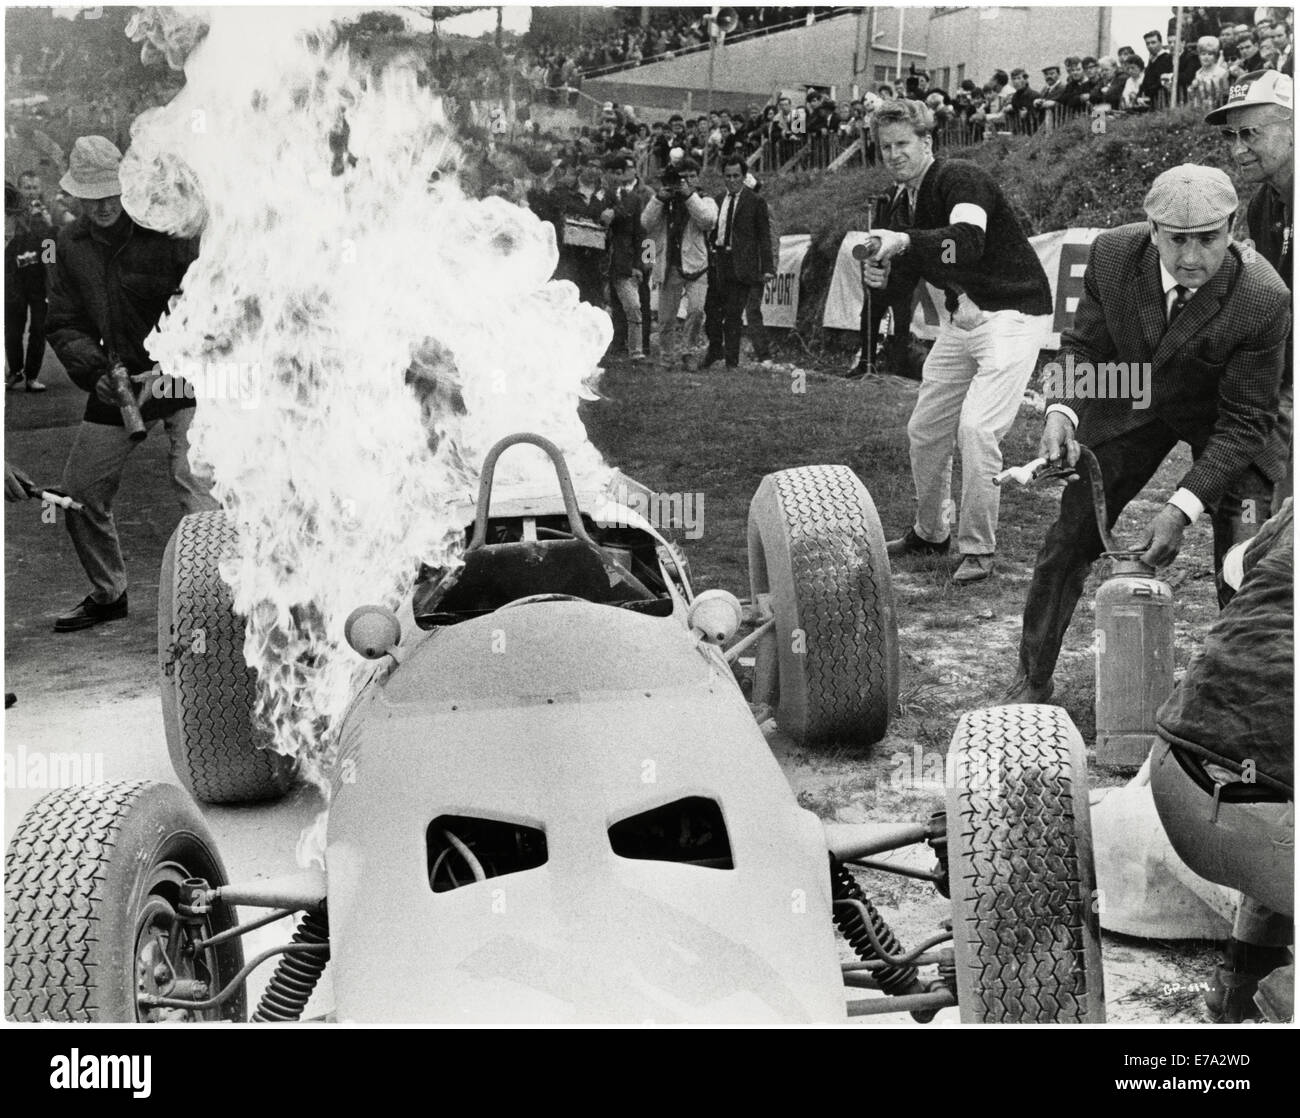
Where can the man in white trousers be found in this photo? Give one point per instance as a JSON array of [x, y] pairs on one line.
[[958, 232]]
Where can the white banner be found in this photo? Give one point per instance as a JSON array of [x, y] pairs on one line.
[[781, 295], [1063, 254]]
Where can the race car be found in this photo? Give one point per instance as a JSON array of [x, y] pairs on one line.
[[552, 801]]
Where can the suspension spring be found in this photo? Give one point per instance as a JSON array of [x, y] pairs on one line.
[[295, 976], [893, 979]]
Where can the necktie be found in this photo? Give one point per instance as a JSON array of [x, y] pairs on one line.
[[903, 209], [1180, 301], [724, 230]]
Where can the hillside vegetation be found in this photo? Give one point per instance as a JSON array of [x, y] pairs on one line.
[[1068, 177]]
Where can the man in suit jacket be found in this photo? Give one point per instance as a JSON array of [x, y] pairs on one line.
[[742, 244], [628, 265], [1194, 333], [1048, 103]]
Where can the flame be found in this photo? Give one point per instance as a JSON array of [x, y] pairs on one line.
[[380, 331]]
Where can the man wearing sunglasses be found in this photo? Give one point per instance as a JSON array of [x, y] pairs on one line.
[[1256, 121]]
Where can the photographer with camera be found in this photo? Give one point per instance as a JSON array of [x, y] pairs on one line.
[[679, 219]]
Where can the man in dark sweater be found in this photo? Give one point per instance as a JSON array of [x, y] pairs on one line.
[[1021, 116], [1256, 120], [963, 238], [1159, 66], [112, 283]]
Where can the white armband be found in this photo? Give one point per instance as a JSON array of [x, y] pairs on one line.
[[967, 213]]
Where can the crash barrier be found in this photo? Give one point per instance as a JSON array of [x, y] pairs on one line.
[[1063, 254]]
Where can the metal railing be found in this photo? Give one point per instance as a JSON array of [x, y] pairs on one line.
[[833, 151]]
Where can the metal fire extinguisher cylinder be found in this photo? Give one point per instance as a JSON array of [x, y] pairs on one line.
[[1134, 619]]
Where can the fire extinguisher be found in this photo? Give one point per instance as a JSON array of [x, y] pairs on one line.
[[1134, 633]]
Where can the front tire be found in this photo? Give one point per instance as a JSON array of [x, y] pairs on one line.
[[1025, 927], [815, 544], [208, 692], [92, 877]]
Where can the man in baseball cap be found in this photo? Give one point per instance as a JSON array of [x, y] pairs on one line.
[[1178, 336], [113, 279]]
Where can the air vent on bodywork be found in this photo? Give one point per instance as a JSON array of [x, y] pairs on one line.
[[689, 831], [463, 850]]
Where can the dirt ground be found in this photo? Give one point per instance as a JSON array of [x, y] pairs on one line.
[[715, 433]]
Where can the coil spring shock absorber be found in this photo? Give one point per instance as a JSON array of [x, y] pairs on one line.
[[296, 975], [893, 979]]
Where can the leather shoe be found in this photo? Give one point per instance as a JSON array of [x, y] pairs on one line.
[[973, 568], [710, 358], [909, 543], [1022, 691], [89, 613]]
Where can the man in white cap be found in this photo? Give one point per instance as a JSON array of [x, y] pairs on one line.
[[1256, 120], [112, 283], [1185, 337]]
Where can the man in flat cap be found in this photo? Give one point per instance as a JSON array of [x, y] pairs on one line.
[[1049, 100], [112, 283], [1256, 120], [1199, 330]]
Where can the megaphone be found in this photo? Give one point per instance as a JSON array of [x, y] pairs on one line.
[[725, 22]]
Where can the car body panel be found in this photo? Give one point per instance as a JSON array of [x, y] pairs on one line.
[[567, 717]]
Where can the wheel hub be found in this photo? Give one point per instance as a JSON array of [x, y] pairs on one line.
[[162, 970]]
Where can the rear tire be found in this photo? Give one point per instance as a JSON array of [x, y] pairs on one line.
[[1025, 928], [208, 692], [830, 672], [92, 877]]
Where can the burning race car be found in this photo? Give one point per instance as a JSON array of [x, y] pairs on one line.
[[552, 802]]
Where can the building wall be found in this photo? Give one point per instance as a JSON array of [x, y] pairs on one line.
[[973, 42], [751, 70]]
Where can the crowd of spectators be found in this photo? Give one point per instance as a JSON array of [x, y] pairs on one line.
[[1214, 53], [1216, 49], [668, 31]]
